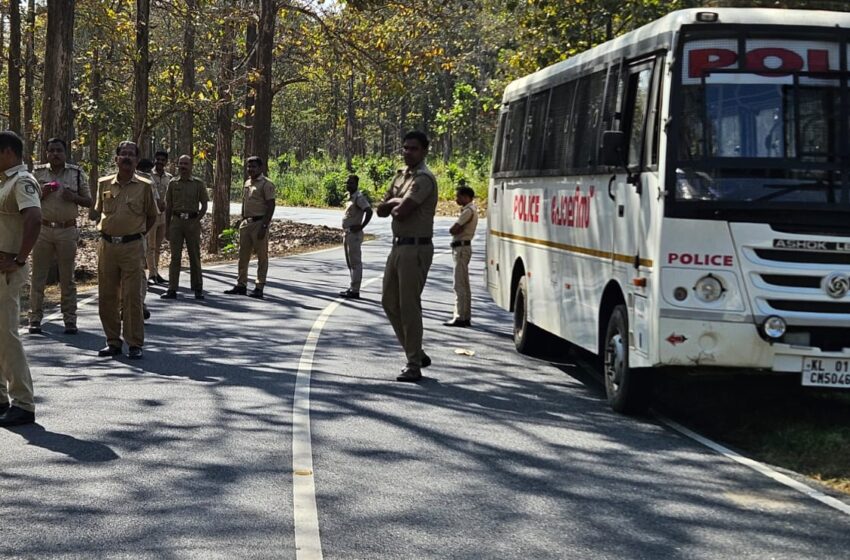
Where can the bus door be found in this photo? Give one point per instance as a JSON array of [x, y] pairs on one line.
[[627, 192]]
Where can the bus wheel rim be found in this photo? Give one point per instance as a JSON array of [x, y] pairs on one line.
[[615, 362]]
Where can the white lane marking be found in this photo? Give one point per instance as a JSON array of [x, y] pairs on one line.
[[758, 467], [308, 541]]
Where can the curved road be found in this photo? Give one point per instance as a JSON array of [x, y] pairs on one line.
[[188, 453]]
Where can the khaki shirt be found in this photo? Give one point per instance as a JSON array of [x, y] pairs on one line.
[[185, 195], [420, 185], [53, 207], [124, 209], [355, 208], [468, 219], [160, 183], [254, 196], [18, 191]]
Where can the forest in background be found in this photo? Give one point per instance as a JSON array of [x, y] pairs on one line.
[[314, 87]]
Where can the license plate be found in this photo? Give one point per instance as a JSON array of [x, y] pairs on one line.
[[826, 372]]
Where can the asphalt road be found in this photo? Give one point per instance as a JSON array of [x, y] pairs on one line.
[[188, 452]]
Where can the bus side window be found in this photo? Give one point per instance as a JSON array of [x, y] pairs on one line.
[[588, 113], [557, 126], [654, 118], [513, 137], [637, 107], [535, 130], [500, 141]]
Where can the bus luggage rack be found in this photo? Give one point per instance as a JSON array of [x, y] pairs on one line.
[[810, 257]]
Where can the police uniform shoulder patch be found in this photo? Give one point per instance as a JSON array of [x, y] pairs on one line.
[[30, 184]]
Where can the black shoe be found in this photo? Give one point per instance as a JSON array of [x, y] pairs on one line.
[[146, 312], [4, 407], [199, 294], [426, 361], [348, 294], [411, 374], [16, 417], [151, 280], [109, 351], [257, 292], [237, 290], [457, 323], [159, 279], [35, 327], [170, 294], [134, 353], [71, 328]]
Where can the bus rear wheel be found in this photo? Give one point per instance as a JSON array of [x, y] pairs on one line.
[[628, 390], [526, 335]]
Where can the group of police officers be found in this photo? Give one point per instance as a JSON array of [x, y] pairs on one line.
[[139, 205]]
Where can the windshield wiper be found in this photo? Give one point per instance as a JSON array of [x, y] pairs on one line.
[[787, 189]]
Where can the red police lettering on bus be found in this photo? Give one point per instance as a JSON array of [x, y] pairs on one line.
[[698, 259], [527, 207], [572, 210], [756, 60]]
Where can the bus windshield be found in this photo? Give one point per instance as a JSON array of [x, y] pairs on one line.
[[771, 132]]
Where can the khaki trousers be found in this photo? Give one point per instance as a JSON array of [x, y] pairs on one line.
[[59, 243], [463, 296], [119, 273], [351, 243], [154, 239], [404, 279], [249, 243], [15, 378], [189, 231]]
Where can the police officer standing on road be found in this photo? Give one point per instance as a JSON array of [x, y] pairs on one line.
[[185, 205], [358, 212], [128, 209], [20, 222], [258, 199], [64, 187], [462, 232], [156, 235], [412, 202]]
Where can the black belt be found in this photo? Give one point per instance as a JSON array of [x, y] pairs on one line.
[[255, 218], [411, 241], [187, 215], [460, 244], [118, 239]]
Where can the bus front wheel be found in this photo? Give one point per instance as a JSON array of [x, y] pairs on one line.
[[628, 390], [526, 335]]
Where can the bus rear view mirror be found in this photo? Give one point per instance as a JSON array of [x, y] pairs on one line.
[[613, 148]]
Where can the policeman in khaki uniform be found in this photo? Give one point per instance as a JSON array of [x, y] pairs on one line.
[[64, 187], [185, 205], [160, 178], [358, 212], [128, 209], [412, 202], [257, 211], [462, 232], [20, 222]]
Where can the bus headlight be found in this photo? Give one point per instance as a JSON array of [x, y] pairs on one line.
[[709, 289], [774, 327]]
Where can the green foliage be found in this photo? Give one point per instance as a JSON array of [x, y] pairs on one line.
[[228, 239]]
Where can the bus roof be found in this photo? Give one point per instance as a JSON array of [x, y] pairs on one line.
[[670, 24]]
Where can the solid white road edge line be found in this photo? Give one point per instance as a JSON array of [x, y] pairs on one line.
[[757, 466], [308, 541]]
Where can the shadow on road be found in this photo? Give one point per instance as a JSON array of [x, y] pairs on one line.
[[77, 449]]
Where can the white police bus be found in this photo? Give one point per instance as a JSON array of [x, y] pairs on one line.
[[680, 196]]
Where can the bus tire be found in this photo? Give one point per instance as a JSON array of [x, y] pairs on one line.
[[526, 335], [629, 390]]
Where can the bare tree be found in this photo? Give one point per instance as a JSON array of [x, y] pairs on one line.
[[185, 141], [261, 138], [29, 83], [224, 139], [141, 73], [15, 65]]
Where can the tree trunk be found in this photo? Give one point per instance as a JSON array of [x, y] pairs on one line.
[[223, 142], [250, 86], [56, 117], [187, 119], [141, 71], [29, 76], [350, 124], [263, 109], [94, 127], [15, 65]]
